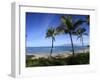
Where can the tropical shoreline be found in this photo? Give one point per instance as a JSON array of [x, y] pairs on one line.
[[56, 55]]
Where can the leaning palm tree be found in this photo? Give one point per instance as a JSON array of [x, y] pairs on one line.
[[51, 32], [80, 32], [69, 27]]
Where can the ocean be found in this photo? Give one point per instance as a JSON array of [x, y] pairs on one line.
[[56, 49]]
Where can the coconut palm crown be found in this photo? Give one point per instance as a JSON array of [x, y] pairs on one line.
[[69, 27], [51, 33]]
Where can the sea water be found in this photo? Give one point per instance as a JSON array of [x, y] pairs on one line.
[[56, 49]]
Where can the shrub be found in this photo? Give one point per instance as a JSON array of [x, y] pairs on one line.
[[81, 58]]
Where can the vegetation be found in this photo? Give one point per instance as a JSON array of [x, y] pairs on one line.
[[80, 32], [69, 27], [51, 33], [78, 59], [71, 60], [88, 20]]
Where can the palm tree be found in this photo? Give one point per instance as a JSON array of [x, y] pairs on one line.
[[69, 27], [80, 32], [88, 20], [51, 32]]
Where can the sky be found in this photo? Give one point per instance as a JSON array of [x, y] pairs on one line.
[[38, 23]]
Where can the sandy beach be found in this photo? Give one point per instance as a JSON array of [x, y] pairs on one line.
[[56, 55]]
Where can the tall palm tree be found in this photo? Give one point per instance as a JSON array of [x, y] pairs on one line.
[[80, 32], [51, 32], [69, 27]]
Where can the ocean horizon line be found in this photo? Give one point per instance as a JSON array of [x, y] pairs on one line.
[[60, 46], [56, 49]]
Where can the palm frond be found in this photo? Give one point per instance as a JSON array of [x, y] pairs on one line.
[[78, 23], [79, 37], [85, 34], [83, 30], [88, 19], [60, 29], [63, 19], [74, 33], [80, 32], [67, 21], [49, 32]]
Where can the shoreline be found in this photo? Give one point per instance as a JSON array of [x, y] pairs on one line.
[[60, 54]]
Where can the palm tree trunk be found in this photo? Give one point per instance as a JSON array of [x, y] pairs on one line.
[[51, 48], [83, 44], [72, 44]]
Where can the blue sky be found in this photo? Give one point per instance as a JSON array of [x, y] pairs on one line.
[[37, 25]]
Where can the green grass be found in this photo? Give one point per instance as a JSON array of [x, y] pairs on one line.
[[78, 59]]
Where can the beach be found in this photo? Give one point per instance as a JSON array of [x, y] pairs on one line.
[[63, 54]]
